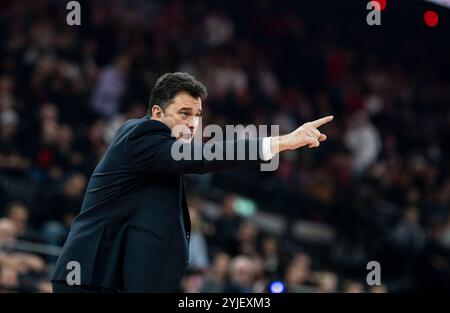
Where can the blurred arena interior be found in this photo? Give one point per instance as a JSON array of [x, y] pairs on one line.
[[378, 189]]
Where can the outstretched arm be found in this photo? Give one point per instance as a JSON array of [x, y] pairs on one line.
[[154, 152]]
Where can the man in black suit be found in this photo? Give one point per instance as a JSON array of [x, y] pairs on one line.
[[132, 234]]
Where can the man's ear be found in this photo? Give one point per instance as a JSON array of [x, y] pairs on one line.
[[157, 112]]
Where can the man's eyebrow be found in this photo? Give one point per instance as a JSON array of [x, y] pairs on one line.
[[185, 109]]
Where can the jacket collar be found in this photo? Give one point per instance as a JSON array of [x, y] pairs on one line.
[[157, 123]]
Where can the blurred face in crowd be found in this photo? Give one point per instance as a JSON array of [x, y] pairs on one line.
[[354, 287], [228, 206], [247, 231], [65, 134], [75, 186], [270, 246], [18, 214], [50, 131], [327, 282], [220, 265], [49, 112], [242, 271], [302, 259], [258, 267], [297, 274], [184, 110], [8, 230], [192, 283], [7, 130], [412, 215]]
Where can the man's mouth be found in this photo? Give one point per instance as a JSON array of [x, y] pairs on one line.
[[187, 137]]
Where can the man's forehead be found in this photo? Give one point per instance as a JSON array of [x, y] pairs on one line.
[[183, 99]]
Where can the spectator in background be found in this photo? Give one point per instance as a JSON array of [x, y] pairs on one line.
[[351, 286], [49, 163], [97, 141], [327, 282], [378, 289], [218, 29], [298, 275], [273, 261], [217, 275], [49, 112], [198, 250], [18, 214], [408, 235], [242, 275], [8, 230], [227, 226], [66, 141], [363, 140], [136, 110], [62, 208], [434, 271], [111, 87], [12, 155], [69, 204], [248, 238], [407, 242], [20, 271], [192, 281], [261, 280], [229, 78]]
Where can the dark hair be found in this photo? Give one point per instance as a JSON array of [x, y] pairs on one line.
[[170, 84]]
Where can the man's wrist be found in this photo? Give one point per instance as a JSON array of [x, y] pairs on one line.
[[278, 144]]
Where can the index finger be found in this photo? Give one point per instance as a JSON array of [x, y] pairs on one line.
[[321, 121]]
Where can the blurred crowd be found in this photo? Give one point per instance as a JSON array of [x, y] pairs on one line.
[[381, 180]]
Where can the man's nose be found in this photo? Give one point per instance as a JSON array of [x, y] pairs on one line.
[[191, 125]]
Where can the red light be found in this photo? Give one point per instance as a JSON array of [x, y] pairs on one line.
[[382, 4], [431, 18]]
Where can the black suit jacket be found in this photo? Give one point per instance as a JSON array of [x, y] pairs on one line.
[[132, 232]]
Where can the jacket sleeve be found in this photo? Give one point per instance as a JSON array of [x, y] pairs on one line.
[[159, 152]]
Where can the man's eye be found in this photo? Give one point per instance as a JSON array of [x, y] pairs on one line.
[[184, 114]]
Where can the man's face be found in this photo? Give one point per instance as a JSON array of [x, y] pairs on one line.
[[185, 110]]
